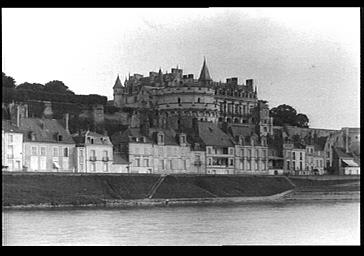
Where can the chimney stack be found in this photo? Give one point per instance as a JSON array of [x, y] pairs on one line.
[[18, 116], [347, 140], [67, 121]]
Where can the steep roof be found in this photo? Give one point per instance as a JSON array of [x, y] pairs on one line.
[[80, 138], [212, 135], [45, 130], [239, 130], [204, 75], [118, 83], [8, 126], [341, 153], [119, 159]]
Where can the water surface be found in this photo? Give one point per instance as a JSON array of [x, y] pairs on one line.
[[319, 223]]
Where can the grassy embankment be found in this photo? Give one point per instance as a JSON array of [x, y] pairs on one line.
[[70, 189]]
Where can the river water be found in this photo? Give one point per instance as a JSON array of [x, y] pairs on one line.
[[289, 223]]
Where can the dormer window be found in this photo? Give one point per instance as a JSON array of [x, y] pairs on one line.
[[60, 137], [32, 136], [160, 138]]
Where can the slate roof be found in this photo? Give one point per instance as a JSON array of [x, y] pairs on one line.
[[204, 75], [341, 153], [45, 130], [238, 130], [123, 137], [80, 138], [118, 83], [8, 126], [119, 159], [212, 135]]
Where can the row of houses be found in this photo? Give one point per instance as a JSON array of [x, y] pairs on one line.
[[46, 145]]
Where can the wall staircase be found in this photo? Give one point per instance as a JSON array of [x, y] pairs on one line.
[[156, 186]]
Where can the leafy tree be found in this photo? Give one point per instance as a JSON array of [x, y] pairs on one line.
[[28, 86], [285, 114], [8, 81], [56, 86], [302, 120]]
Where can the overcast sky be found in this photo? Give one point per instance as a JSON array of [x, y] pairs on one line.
[[308, 58]]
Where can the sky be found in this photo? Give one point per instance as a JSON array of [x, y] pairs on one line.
[[308, 58]]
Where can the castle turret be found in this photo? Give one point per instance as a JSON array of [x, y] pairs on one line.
[[117, 83], [205, 75]]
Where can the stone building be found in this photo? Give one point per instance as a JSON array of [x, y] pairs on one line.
[[94, 152], [47, 145], [11, 146], [156, 150], [179, 98]]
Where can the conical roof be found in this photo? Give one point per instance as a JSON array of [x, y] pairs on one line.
[[205, 75], [118, 83]]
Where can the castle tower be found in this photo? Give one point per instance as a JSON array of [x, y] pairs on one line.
[[205, 77], [118, 93]]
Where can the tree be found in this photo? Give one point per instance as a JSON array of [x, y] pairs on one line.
[[302, 120], [285, 114], [28, 86], [56, 86], [8, 81]]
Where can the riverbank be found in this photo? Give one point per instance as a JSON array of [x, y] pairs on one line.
[[40, 191]]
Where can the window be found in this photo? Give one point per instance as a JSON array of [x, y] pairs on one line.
[[288, 167], [10, 151], [170, 165], [210, 161], [256, 153], [42, 151], [105, 167], [65, 152], [93, 153], [225, 151], [137, 162], [198, 100], [300, 155], [34, 151], [209, 151], [10, 138], [294, 155], [249, 153], [146, 162], [93, 167], [161, 164], [55, 151], [231, 161], [18, 167], [300, 165], [160, 138], [185, 164], [231, 151], [179, 100], [106, 153], [81, 166]]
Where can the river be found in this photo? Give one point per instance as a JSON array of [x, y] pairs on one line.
[[289, 223]]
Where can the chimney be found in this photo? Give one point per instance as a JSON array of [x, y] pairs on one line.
[[347, 140], [66, 117], [18, 116]]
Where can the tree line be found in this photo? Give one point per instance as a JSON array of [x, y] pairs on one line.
[[54, 91]]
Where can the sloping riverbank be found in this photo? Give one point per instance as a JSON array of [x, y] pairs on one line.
[[54, 190]]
